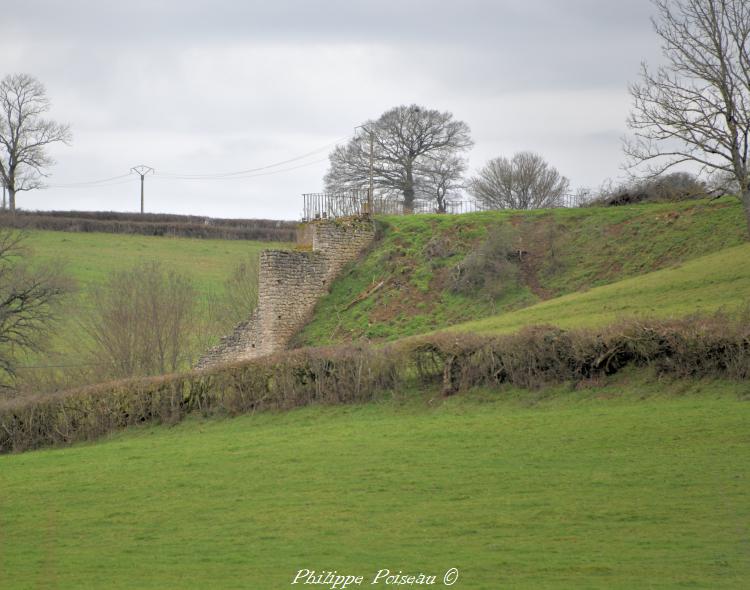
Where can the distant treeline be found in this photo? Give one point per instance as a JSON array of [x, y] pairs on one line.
[[153, 224]]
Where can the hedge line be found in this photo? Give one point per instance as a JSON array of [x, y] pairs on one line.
[[153, 224], [717, 346]]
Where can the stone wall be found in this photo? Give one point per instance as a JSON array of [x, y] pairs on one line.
[[305, 235], [290, 282]]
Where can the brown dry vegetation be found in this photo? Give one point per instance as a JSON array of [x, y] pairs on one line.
[[716, 346]]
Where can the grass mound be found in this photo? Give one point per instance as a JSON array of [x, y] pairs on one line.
[[432, 271]]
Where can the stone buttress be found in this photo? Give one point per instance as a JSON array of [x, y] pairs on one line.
[[290, 282]]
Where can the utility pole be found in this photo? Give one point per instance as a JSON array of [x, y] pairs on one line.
[[369, 193], [141, 170], [369, 209]]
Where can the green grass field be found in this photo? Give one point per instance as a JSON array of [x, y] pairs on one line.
[[90, 258], [631, 482], [719, 281], [629, 485]]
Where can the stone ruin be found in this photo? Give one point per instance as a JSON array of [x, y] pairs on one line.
[[290, 283]]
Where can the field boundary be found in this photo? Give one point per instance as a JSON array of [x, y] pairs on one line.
[[713, 347], [153, 224]]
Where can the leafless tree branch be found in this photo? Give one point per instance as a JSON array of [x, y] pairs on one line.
[[28, 300], [526, 181], [140, 321], [696, 108]]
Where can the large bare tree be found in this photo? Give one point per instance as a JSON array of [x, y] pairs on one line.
[[25, 134], [407, 141], [696, 107], [526, 181]]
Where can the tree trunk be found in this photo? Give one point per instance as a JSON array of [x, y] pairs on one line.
[[441, 208], [409, 192], [746, 206], [12, 199]]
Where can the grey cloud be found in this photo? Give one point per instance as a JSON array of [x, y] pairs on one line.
[[229, 84], [163, 22]]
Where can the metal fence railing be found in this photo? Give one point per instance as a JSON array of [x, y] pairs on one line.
[[325, 205], [354, 203]]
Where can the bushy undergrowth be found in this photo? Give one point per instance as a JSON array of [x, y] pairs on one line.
[[677, 186], [492, 268], [716, 346]]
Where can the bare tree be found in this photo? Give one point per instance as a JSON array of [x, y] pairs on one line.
[[140, 321], [28, 300], [240, 296], [406, 139], [696, 107], [25, 134], [526, 181], [440, 179]]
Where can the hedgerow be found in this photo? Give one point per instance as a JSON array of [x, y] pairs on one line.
[[153, 224], [716, 346]]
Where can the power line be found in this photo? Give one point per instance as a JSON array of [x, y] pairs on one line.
[[265, 170], [89, 186], [203, 179], [95, 183], [219, 175]]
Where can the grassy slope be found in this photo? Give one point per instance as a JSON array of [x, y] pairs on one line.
[[567, 250], [719, 281], [625, 486]]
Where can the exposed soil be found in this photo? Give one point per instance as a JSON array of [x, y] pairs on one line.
[[537, 241], [529, 265]]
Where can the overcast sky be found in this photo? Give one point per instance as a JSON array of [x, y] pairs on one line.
[[194, 88]]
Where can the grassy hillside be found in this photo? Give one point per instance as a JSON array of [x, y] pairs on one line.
[[719, 281], [626, 485], [406, 284]]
